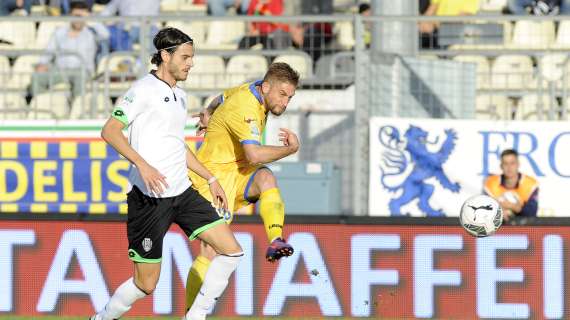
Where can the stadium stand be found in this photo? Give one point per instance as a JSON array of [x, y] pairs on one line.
[[528, 59], [12, 106], [494, 107], [513, 72], [534, 107], [22, 71], [50, 105], [483, 69], [79, 107], [242, 68], [209, 73]]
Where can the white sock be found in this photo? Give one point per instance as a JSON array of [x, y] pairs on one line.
[[215, 283], [122, 300]]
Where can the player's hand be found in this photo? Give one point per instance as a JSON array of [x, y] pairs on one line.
[[155, 182], [289, 139], [507, 214], [218, 195], [204, 117]]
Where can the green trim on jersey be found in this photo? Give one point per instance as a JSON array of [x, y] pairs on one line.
[[197, 232], [120, 115], [134, 256]]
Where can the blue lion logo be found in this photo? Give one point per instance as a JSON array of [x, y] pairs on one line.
[[426, 165]]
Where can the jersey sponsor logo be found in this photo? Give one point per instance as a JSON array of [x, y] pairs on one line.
[[118, 113], [249, 120], [147, 244], [166, 99]]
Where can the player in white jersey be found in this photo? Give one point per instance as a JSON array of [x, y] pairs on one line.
[[154, 111]]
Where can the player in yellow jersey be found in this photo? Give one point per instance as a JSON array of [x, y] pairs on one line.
[[232, 151]]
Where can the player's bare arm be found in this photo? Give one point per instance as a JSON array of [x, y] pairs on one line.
[[258, 154], [218, 194], [206, 113], [112, 134]]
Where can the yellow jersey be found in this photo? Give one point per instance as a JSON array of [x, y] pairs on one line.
[[526, 192], [239, 120], [456, 7]]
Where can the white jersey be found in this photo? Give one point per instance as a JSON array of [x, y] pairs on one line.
[[155, 114]]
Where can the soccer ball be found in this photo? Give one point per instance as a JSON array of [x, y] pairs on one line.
[[481, 215]]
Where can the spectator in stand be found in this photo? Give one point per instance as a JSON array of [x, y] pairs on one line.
[[428, 29], [58, 7], [124, 36], [365, 10], [269, 34], [57, 66], [516, 192], [314, 38], [220, 7], [19, 7], [539, 7]]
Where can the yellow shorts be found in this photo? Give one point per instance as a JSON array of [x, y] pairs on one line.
[[235, 182]]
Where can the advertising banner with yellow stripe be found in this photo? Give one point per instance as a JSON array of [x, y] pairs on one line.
[[63, 168]]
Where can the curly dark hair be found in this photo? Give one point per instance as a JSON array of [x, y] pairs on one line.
[[168, 39]]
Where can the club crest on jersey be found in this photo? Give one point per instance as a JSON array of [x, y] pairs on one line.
[[129, 98], [249, 120], [147, 244], [223, 213], [254, 129]]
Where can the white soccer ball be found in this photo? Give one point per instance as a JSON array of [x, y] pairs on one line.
[[481, 215]]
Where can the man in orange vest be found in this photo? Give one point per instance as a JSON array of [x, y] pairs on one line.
[[517, 193]]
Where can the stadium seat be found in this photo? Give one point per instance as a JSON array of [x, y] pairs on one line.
[[117, 63], [171, 5], [197, 30], [49, 105], [12, 107], [492, 5], [565, 110], [493, 107], [224, 34], [534, 107], [338, 65], [22, 34], [243, 68], [22, 71], [102, 106], [345, 34], [535, 35], [563, 35], [5, 69], [483, 68], [45, 31], [120, 68], [512, 72], [208, 72], [194, 104], [552, 68], [302, 63], [186, 6]]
